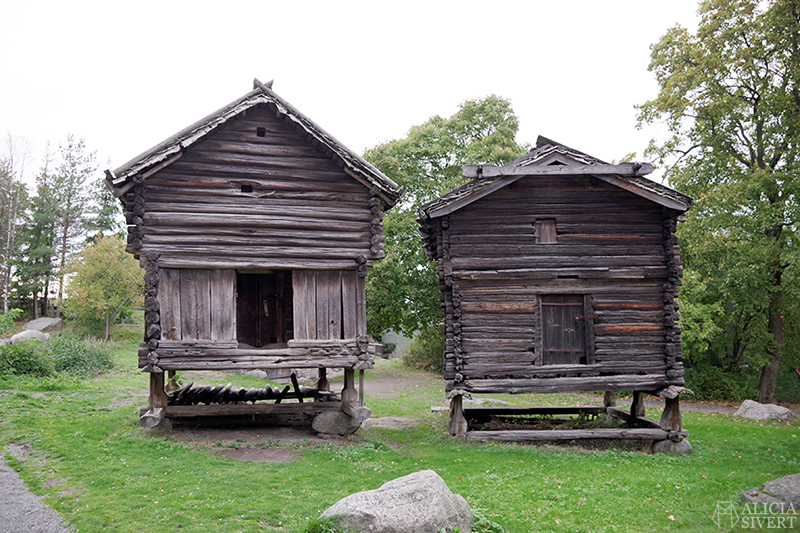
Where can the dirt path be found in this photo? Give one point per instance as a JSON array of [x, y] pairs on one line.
[[21, 511]]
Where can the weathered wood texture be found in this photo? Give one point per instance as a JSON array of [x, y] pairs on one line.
[[255, 193], [328, 304], [180, 411], [571, 434], [227, 355], [197, 304], [613, 248]]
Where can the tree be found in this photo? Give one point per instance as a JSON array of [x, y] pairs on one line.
[[403, 288], [104, 214], [107, 280], [35, 266], [72, 197], [730, 95], [13, 200]]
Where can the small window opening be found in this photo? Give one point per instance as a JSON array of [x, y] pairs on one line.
[[247, 188], [544, 229], [556, 164], [261, 132]]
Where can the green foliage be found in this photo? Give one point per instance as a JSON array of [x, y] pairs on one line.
[[712, 383], [481, 524], [7, 320], [402, 289], [107, 280], [79, 357], [60, 355], [426, 351], [729, 96], [34, 268], [28, 357]]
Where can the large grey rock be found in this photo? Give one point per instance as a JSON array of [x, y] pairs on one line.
[[669, 446], [335, 423], [30, 334], [784, 491], [763, 411], [44, 324], [417, 503]]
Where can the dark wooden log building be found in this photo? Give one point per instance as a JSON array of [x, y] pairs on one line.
[[256, 230], [558, 273]]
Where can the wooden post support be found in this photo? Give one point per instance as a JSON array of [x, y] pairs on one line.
[[322, 382], [637, 407], [361, 388], [349, 393], [158, 398], [671, 417], [609, 399], [458, 423]]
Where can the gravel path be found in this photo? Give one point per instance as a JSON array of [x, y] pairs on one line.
[[23, 512]]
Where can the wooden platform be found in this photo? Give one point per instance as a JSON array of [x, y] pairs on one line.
[[545, 435], [180, 411]]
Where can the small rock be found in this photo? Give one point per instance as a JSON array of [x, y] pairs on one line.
[[44, 324], [30, 334], [256, 373], [784, 491], [417, 503], [335, 423], [668, 446], [763, 411]]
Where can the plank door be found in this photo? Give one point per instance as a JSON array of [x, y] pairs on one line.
[[563, 335]]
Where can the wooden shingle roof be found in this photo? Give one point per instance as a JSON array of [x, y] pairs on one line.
[[171, 149], [550, 158]]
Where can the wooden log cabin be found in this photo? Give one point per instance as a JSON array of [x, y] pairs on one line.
[[255, 229], [559, 273]]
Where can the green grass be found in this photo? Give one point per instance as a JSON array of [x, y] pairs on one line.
[[104, 473]]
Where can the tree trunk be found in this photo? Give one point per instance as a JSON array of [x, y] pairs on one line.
[[769, 372]]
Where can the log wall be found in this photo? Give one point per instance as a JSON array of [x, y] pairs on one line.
[[613, 247], [255, 194]]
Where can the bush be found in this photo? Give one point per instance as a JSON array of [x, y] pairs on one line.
[[27, 358], [59, 355], [79, 357], [712, 383], [426, 351]]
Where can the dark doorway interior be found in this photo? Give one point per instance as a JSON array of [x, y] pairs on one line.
[[264, 308]]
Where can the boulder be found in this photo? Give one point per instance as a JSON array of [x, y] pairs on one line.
[[335, 423], [44, 324], [784, 492], [30, 334], [417, 503], [669, 446], [763, 411]]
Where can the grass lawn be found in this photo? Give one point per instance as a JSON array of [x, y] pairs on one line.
[[92, 462]]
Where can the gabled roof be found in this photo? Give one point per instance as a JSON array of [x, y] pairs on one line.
[[550, 158], [170, 150]]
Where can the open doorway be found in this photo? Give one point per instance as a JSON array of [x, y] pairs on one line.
[[264, 308]]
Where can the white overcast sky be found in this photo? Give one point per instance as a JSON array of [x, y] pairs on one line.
[[125, 76]]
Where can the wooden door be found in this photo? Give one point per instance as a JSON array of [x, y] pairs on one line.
[[563, 336]]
